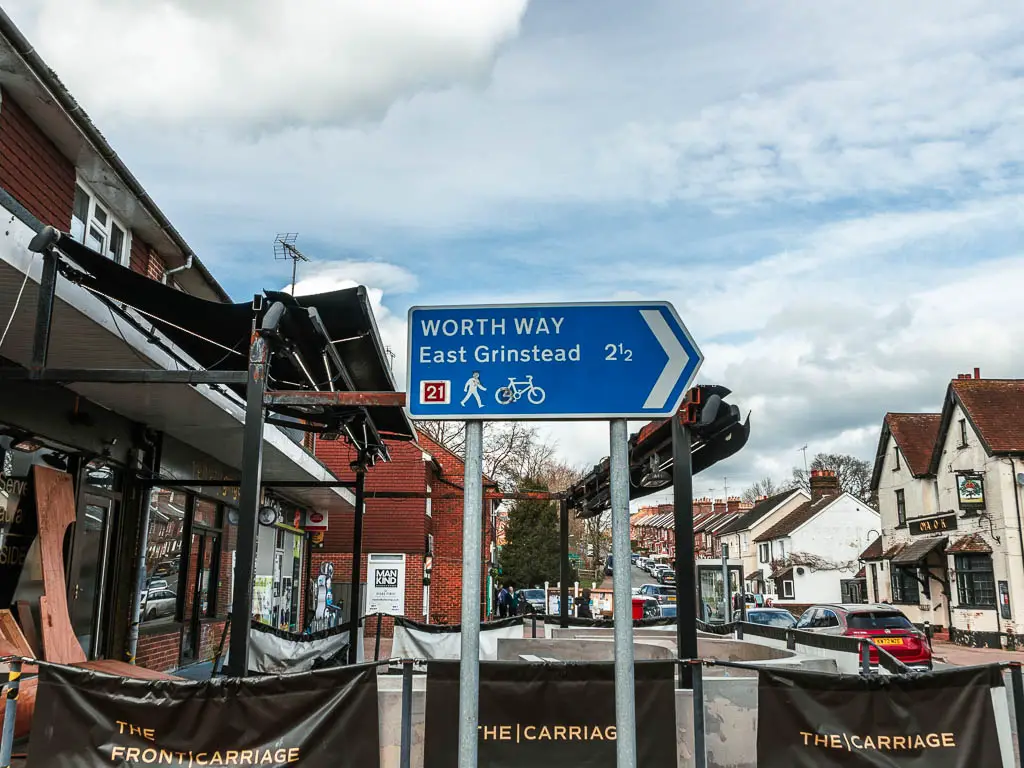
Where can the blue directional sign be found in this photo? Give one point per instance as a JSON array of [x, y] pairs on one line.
[[558, 361]]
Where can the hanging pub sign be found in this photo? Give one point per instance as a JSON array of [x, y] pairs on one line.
[[322, 719], [970, 490], [940, 720], [938, 524], [538, 715]]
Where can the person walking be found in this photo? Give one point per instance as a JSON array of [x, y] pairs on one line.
[[583, 608], [514, 596], [503, 602]]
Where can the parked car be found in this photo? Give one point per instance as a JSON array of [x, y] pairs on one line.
[[158, 603], [155, 583], [659, 592], [633, 558], [884, 625], [645, 607], [641, 563], [668, 610], [771, 617], [667, 576], [534, 601]]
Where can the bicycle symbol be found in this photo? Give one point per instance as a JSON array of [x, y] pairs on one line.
[[516, 389]]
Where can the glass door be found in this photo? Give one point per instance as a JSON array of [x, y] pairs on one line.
[[198, 598], [87, 571]]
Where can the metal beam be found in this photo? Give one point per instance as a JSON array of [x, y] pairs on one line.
[[248, 508], [336, 399], [563, 559], [197, 482], [357, 554], [44, 311], [123, 376], [686, 564]]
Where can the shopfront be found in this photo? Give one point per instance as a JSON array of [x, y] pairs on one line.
[[280, 558]]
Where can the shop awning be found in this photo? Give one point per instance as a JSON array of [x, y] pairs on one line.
[[88, 333], [918, 550], [216, 335]]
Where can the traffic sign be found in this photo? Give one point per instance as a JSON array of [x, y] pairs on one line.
[[548, 361]]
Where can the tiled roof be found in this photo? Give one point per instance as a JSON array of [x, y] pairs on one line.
[[746, 520], [874, 550], [973, 543], [996, 409], [916, 435], [796, 518], [892, 551]]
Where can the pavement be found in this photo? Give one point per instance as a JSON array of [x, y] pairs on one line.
[[962, 656]]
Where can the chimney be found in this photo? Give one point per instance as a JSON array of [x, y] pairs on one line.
[[977, 373], [823, 483]]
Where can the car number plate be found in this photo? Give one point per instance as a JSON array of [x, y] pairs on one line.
[[889, 641], [671, 598]]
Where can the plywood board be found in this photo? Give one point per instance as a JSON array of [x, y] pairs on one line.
[[28, 626], [55, 503], [13, 635]]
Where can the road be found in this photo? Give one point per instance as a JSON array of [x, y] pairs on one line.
[[637, 578]]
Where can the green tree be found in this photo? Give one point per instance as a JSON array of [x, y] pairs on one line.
[[530, 554]]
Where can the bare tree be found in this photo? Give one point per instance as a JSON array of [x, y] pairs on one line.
[[766, 486], [854, 474], [512, 450]]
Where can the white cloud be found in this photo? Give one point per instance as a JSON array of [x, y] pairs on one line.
[[265, 62]]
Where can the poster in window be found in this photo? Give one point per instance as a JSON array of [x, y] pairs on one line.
[[970, 489]]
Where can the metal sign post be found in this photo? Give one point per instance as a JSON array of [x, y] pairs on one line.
[[472, 543], [625, 713], [610, 361]]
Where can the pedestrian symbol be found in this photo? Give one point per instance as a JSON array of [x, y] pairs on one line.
[[473, 389]]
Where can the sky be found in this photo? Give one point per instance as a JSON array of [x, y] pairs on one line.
[[829, 193]]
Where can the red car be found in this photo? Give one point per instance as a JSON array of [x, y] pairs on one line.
[[884, 625]]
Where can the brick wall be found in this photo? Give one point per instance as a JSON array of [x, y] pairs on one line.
[[159, 651], [145, 260], [342, 563], [32, 169]]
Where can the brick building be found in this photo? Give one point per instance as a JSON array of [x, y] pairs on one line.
[[426, 531], [56, 169]]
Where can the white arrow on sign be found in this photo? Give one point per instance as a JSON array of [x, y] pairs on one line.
[[677, 358]]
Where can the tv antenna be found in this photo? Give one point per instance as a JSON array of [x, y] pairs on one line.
[[284, 248], [804, 452]]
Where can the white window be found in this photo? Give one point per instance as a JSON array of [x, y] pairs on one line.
[[430, 512], [93, 225], [745, 542], [787, 589], [782, 550], [764, 552]]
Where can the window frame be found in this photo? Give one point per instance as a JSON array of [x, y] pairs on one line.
[[901, 508], [764, 552], [897, 585], [962, 566], [896, 458], [963, 433], [106, 230], [791, 590]]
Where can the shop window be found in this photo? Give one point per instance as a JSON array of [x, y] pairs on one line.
[[168, 511], [975, 581], [94, 226], [905, 587]]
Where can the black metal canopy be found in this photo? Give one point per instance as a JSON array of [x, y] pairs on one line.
[[720, 436], [217, 335]]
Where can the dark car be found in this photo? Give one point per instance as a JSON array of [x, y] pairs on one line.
[[531, 601], [771, 617], [884, 625], [660, 592], [667, 577]]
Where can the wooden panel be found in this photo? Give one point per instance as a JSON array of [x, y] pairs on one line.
[[55, 503], [12, 634], [28, 626]]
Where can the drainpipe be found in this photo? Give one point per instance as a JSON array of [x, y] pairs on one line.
[[152, 453], [1016, 503], [176, 270]]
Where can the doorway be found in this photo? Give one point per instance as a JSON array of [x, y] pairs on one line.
[[87, 572]]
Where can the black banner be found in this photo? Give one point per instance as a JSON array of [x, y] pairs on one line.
[[936, 720], [323, 719], [550, 715]]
